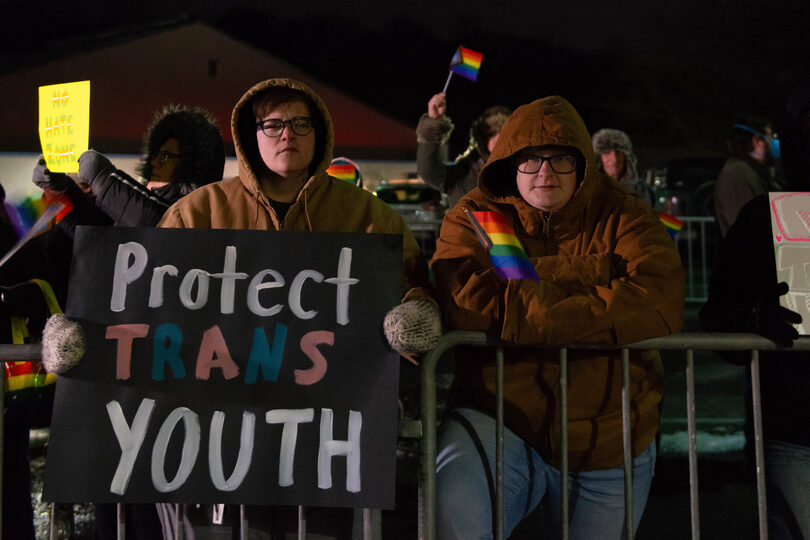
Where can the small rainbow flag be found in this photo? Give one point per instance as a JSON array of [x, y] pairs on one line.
[[466, 63], [344, 169], [505, 252], [672, 223]]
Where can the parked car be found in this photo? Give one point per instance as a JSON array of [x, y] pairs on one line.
[[685, 186], [413, 199], [421, 206]]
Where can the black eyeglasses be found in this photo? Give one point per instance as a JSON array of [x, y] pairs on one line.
[[560, 163], [300, 125], [164, 155]]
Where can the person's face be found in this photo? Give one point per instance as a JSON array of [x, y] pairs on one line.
[[287, 155], [164, 163], [546, 189], [491, 143], [613, 163]]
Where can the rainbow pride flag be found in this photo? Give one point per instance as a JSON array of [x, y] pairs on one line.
[[505, 252], [466, 63], [672, 223]]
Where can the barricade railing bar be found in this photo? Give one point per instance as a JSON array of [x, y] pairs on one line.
[[369, 527], [688, 342]]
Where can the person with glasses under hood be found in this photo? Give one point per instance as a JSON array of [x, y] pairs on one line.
[[608, 273], [283, 138]]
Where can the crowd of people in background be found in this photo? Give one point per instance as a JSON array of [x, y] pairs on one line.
[[608, 273]]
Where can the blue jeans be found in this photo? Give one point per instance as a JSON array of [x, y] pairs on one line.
[[596, 498], [787, 479]]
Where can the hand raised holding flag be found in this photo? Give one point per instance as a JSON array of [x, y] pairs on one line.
[[437, 106]]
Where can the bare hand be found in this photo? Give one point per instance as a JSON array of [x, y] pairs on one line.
[[437, 105]]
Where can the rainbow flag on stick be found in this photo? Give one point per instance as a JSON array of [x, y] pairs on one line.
[[466, 63], [505, 252], [672, 223]]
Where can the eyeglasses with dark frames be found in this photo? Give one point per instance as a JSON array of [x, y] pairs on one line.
[[164, 155], [560, 163], [274, 127]]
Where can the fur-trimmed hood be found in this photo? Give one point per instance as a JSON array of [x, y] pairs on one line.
[[202, 151], [606, 140]]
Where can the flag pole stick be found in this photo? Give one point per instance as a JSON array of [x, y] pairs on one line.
[[444, 90]]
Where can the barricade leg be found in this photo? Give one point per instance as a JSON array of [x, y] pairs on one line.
[[498, 517], [122, 521], [564, 443], [759, 453], [692, 436], [628, 446]]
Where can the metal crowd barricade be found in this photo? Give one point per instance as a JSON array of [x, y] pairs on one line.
[[367, 527], [697, 230], [687, 342]]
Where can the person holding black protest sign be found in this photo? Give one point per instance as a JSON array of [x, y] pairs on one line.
[[283, 138]]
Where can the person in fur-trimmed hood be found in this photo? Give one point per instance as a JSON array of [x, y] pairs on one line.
[[608, 273], [616, 158], [183, 150], [432, 133]]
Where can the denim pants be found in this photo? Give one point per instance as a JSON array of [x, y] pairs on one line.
[[787, 480], [464, 504]]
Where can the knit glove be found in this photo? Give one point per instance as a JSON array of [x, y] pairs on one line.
[[92, 165], [775, 322], [413, 327], [46, 180], [62, 344]]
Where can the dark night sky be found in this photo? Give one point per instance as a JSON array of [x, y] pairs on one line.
[[671, 74]]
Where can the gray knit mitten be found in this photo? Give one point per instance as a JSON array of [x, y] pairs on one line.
[[413, 327], [62, 344]]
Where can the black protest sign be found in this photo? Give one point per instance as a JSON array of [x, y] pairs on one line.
[[229, 367]]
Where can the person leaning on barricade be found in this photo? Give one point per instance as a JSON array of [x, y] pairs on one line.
[[283, 137], [608, 273]]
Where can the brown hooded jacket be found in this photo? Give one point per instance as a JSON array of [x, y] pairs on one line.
[[324, 204], [609, 273]]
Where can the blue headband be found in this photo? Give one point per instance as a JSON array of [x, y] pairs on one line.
[[774, 148]]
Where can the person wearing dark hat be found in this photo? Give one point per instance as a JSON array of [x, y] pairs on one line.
[[617, 160], [432, 133], [748, 172]]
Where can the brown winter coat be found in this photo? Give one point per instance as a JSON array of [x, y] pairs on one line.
[[609, 273], [324, 204]]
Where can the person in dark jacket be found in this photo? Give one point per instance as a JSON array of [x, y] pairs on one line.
[[748, 172], [432, 134], [183, 150], [748, 301]]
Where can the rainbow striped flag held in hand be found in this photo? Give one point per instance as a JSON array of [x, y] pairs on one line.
[[498, 237], [672, 223], [466, 63]]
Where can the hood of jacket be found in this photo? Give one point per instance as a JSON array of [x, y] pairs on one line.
[[243, 128], [547, 121], [202, 150]]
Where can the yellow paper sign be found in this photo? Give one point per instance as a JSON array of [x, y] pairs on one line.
[[64, 124]]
